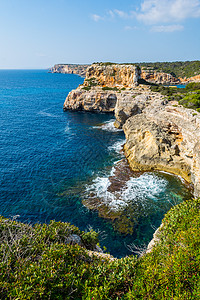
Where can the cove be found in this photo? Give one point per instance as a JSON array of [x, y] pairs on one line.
[[60, 165]]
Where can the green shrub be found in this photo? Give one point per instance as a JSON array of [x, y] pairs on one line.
[[107, 88], [191, 100], [87, 88], [37, 263], [90, 238], [193, 86]]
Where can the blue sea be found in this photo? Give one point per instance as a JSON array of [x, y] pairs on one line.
[[51, 161]]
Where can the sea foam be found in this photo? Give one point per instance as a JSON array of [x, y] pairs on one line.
[[108, 126], [147, 186]]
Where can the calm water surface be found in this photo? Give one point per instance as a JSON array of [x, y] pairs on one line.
[[50, 158]]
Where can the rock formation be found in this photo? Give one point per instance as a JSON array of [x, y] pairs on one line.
[[165, 137], [69, 69], [102, 86], [159, 77], [114, 75], [93, 100], [190, 79], [148, 74], [160, 135]]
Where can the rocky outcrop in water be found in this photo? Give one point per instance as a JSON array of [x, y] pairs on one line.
[[70, 69]]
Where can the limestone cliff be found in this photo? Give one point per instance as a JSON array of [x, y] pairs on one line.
[[102, 87], [159, 77], [93, 100], [165, 137], [70, 69], [114, 75], [190, 79]]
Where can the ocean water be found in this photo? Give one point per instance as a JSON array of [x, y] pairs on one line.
[[51, 160]]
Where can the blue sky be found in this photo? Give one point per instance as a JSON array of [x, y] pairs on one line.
[[41, 33]]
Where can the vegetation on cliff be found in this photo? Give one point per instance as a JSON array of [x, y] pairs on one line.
[[189, 96], [37, 262], [177, 69]]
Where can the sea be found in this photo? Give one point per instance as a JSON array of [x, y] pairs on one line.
[[53, 162]]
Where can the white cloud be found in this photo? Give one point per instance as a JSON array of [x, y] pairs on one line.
[[111, 13], [166, 11], [167, 28], [121, 14], [96, 18]]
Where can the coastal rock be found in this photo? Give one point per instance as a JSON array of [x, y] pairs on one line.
[[160, 135], [158, 77], [74, 239], [93, 100], [113, 75], [129, 104], [102, 87], [190, 79], [165, 137], [69, 69]]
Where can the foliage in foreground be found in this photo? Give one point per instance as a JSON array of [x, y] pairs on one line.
[[37, 263]]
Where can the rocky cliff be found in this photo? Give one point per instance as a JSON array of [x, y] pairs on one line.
[[165, 137], [102, 87], [114, 75], [159, 77], [190, 79], [70, 69], [160, 135], [148, 74]]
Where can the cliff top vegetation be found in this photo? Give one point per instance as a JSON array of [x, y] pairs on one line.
[[177, 69], [37, 262]]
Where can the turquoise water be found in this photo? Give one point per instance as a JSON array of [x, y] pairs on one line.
[[51, 160]]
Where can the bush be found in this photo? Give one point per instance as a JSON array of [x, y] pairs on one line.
[[37, 263], [191, 100], [107, 88]]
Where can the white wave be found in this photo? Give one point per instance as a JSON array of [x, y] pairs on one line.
[[118, 146], [46, 114], [108, 126], [140, 189], [147, 185], [100, 189]]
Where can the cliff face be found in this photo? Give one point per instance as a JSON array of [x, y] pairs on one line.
[[165, 137], [158, 77], [102, 87], [92, 100], [114, 75], [190, 79], [124, 74], [70, 69], [164, 78]]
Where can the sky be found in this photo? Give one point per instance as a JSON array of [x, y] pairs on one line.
[[36, 34]]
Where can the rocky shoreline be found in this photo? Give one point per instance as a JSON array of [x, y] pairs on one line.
[[69, 69], [160, 135]]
